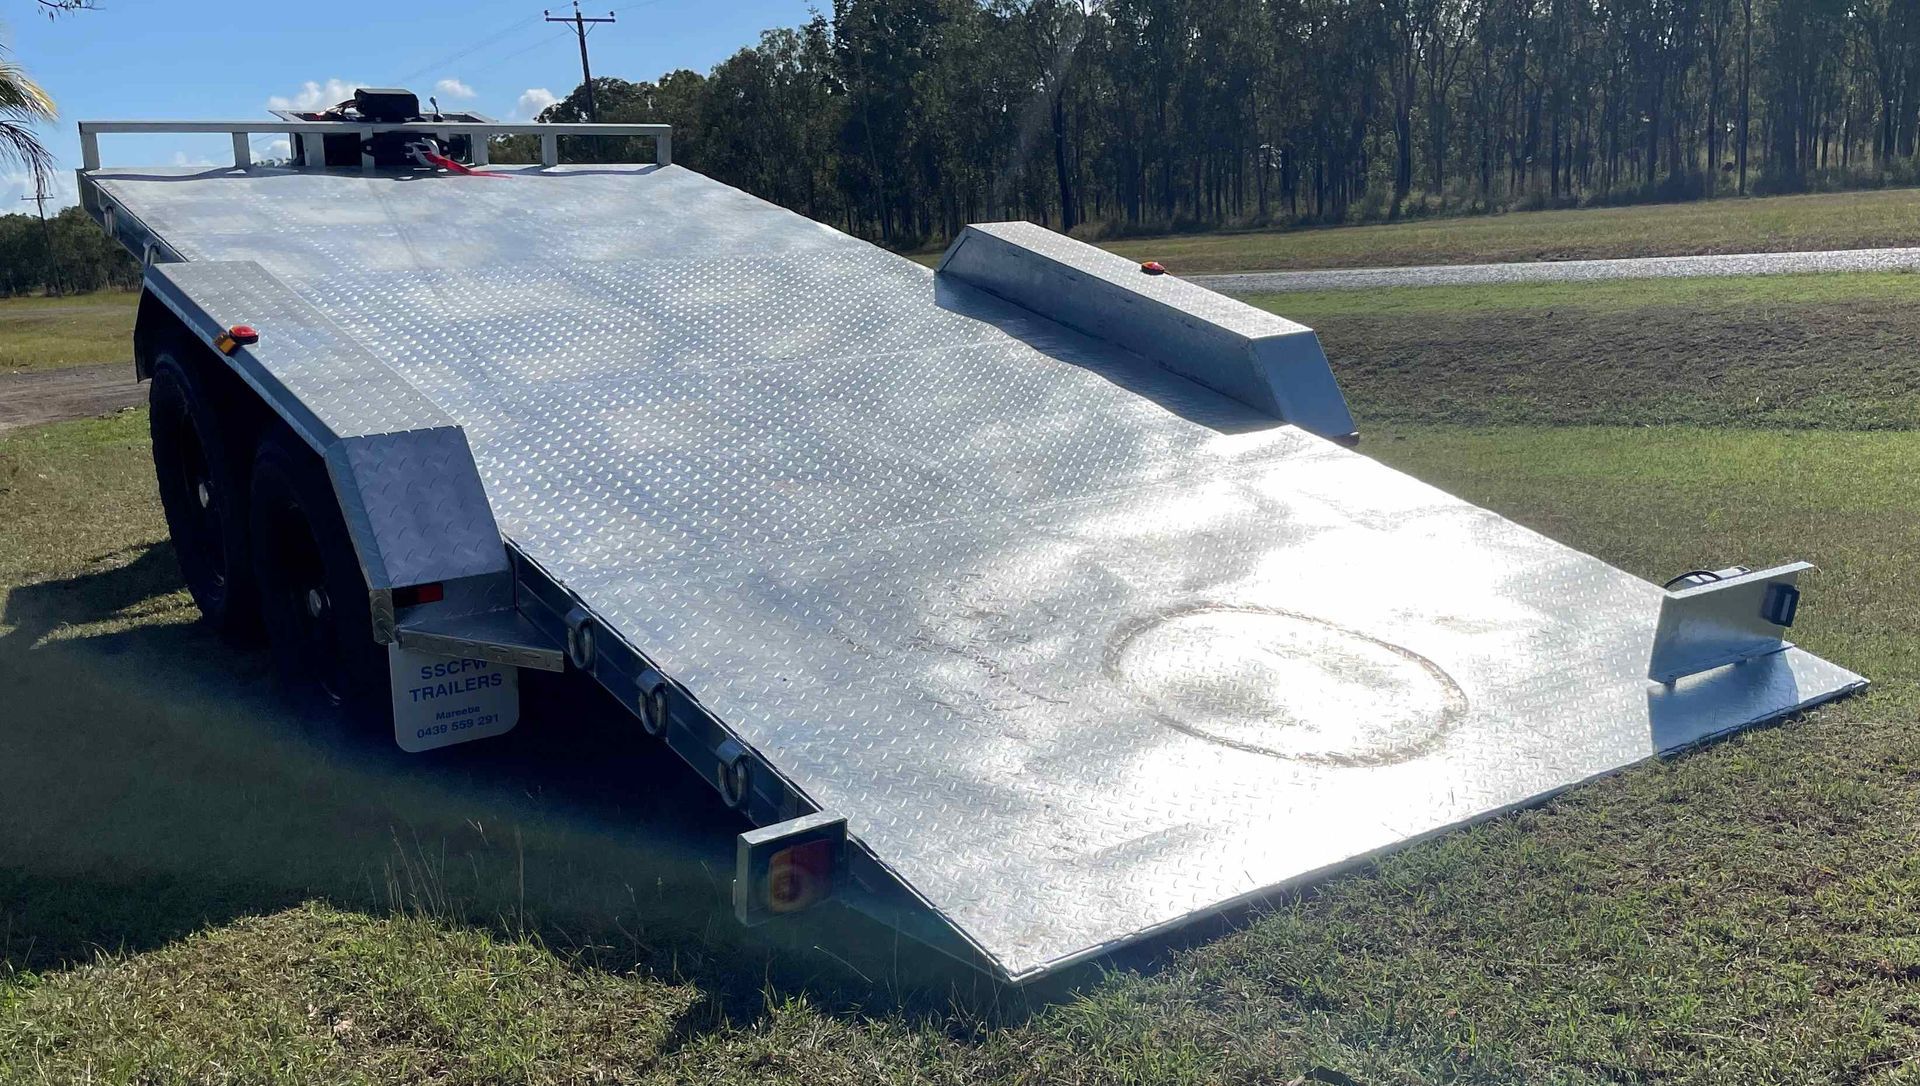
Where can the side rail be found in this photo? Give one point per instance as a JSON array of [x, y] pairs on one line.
[[1266, 362], [240, 131]]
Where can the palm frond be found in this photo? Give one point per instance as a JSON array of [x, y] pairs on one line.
[[20, 95], [19, 144], [23, 104]]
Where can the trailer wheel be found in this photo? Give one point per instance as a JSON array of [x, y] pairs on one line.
[[203, 490], [313, 596]]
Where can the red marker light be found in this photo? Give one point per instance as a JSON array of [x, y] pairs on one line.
[[230, 340], [1153, 267], [799, 876]]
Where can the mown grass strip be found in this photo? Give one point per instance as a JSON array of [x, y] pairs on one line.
[[1828, 352], [1748, 292], [1849, 220], [49, 333]]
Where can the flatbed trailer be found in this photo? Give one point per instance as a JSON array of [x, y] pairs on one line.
[[1036, 605]]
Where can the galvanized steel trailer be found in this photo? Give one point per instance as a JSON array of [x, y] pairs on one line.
[[1033, 604]]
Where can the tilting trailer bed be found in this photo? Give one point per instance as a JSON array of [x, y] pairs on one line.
[[1036, 603]]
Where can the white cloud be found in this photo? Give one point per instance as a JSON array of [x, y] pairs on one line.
[[17, 183], [453, 88], [180, 159], [317, 95], [532, 101], [276, 149]]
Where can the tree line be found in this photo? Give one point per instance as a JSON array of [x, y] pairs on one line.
[[66, 254], [901, 120]]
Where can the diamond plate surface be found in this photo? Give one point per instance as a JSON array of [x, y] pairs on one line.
[[303, 359], [400, 465], [1079, 647], [415, 507]]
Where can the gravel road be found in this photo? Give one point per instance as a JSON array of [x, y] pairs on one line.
[[1652, 267]]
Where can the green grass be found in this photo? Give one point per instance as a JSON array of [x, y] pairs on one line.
[[1847, 220], [193, 889], [1755, 294], [73, 494], [48, 333], [1824, 351]]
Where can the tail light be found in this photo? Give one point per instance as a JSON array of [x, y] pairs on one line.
[[788, 867], [416, 594]]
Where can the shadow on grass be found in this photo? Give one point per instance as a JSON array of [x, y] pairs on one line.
[[152, 785]]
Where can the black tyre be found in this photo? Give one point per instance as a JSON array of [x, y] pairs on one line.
[[313, 597], [203, 489]]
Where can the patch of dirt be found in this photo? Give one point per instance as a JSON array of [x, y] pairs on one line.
[[29, 399], [66, 310]]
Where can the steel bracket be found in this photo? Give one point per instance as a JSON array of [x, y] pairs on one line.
[[1726, 621]]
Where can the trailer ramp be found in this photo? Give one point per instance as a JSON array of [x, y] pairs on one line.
[[1081, 642]]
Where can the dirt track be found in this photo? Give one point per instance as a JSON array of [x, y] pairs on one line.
[[27, 399], [1562, 271]]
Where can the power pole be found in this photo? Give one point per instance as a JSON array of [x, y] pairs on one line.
[[46, 233], [580, 29]]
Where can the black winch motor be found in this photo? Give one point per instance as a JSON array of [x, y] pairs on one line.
[[384, 105]]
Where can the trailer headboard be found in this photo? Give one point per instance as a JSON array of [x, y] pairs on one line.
[[478, 131]]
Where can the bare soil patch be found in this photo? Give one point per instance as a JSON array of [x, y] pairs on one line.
[[34, 397]]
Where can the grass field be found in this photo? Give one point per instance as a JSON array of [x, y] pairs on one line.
[[46, 333], [193, 889], [1826, 351], [1848, 220]]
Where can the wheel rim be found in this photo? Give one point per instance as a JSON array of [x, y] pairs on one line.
[[300, 593], [202, 505]]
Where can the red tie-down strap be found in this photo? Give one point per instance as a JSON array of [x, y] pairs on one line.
[[449, 165]]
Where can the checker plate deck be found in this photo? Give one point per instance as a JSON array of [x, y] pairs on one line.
[[1080, 648]]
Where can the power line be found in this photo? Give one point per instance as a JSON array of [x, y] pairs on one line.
[[580, 22], [491, 39], [495, 64]]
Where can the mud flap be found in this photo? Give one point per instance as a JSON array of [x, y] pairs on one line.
[[439, 700]]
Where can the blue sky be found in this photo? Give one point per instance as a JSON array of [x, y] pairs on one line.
[[223, 59]]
